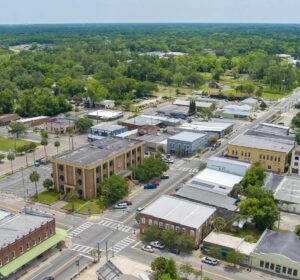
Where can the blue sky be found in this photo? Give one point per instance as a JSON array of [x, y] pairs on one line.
[[85, 11]]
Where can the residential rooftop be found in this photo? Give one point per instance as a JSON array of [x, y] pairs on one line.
[[179, 211], [105, 114], [206, 197], [187, 136], [13, 227], [261, 143], [279, 243], [96, 151]]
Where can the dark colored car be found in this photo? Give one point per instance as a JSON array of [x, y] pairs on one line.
[[174, 250], [150, 186], [48, 278], [165, 177]]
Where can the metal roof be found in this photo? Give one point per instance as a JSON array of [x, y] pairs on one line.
[[207, 197], [179, 211], [153, 138], [141, 120], [214, 181], [105, 114], [187, 136], [231, 161], [288, 190], [107, 127], [286, 244], [199, 104], [206, 126], [261, 143], [15, 226]]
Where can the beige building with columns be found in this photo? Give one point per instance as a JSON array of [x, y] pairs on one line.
[[85, 168]]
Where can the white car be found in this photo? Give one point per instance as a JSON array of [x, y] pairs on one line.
[[148, 248], [157, 244], [120, 206], [210, 261], [140, 209]]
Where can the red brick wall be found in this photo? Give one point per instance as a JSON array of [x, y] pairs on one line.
[[26, 242]]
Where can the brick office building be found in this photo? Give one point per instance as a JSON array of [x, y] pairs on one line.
[[85, 168], [22, 232], [183, 216]]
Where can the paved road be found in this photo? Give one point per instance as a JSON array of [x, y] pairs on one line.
[[117, 227]]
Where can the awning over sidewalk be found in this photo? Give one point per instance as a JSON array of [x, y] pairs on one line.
[[33, 253]]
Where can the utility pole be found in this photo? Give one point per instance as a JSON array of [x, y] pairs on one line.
[[98, 252], [106, 251], [112, 249], [201, 272], [77, 264]]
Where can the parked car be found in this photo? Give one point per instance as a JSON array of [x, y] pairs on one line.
[[155, 181], [174, 250], [169, 160], [48, 278], [140, 209], [165, 176], [148, 248], [150, 186], [127, 202], [120, 206], [157, 244], [210, 261]]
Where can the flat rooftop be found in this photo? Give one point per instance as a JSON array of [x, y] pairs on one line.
[[206, 126], [199, 104], [231, 242], [153, 138], [173, 109], [107, 127], [230, 161], [288, 190], [187, 136], [207, 197], [14, 226], [214, 181], [179, 211], [261, 143], [96, 151], [105, 113], [142, 120]]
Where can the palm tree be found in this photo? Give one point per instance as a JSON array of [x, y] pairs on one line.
[[44, 143], [11, 156], [70, 131], [16, 129], [35, 177], [57, 144]]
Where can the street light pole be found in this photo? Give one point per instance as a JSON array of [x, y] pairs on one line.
[[106, 251], [98, 252], [112, 248]]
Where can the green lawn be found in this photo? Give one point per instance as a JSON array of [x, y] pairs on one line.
[[7, 144], [47, 197], [82, 206], [270, 95], [171, 90]]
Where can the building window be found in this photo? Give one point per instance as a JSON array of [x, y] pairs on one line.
[[172, 227], [98, 180], [39, 239], [278, 159], [289, 271], [6, 258], [160, 224], [271, 158], [61, 167], [272, 266], [249, 154], [267, 265], [143, 220], [296, 163], [79, 182], [183, 230], [260, 156], [155, 223], [192, 233], [267, 157], [242, 153], [278, 269], [283, 269], [98, 169], [167, 226], [177, 229], [27, 246], [61, 177], [269, 167], [150, 222], [261, 264], [13, 254], [295, 272], [21, 249], [275, 158], [79, 171], [34, 242], [296, 158], [264, 157]]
